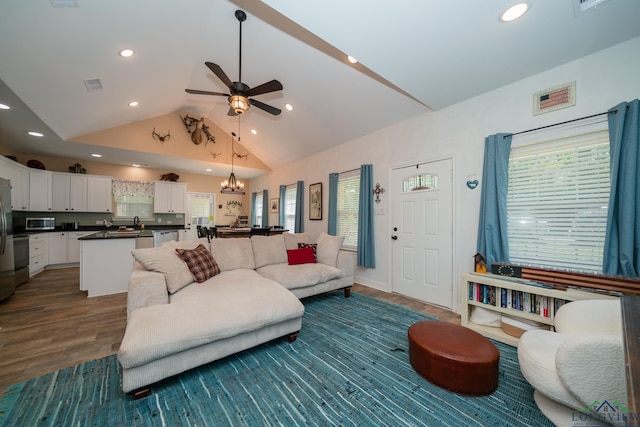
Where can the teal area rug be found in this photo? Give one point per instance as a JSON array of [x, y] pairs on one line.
[[349, 367]]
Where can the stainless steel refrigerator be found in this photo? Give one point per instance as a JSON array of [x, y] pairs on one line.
[[7, 264]]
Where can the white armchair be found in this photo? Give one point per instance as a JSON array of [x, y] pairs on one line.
[[582, 362]]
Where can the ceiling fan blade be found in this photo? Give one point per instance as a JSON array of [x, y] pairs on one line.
[[267, 87], [231, 112], [204, 92], [268, 108], [218, 72]]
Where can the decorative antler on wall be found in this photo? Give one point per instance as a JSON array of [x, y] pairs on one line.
[[241, 156], [161, 138], [196, 128], [215, 155]]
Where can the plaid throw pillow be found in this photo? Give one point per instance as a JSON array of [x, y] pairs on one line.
[[310, 245], [200, 262]]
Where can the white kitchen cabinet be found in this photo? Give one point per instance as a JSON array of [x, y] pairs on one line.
[[69, 192], [38, 252], [73, 246], [169, 197], [40, 199], [19, 176], [99, 198], [106, 265], [58, 247]]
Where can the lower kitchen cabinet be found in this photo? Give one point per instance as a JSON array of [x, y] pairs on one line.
[[38, 252]]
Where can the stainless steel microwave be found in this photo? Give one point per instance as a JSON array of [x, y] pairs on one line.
[[39, 224]]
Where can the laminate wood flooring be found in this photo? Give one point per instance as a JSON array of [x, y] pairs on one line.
[[49, 324]]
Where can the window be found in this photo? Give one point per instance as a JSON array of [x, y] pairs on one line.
[[258, 209], [130, 206], [290, 207], [348, 203], [420, 182], [557, 202]]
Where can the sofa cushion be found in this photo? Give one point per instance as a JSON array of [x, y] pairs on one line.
[[299, 276], [200, 263], [291, 240], [233, 253], [268, 250], [328, 248], [165, 260], [301, 256], [314, 246]]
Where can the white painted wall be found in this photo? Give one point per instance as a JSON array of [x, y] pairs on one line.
[[602, 80]]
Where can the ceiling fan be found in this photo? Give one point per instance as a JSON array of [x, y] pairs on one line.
[[240, 94]]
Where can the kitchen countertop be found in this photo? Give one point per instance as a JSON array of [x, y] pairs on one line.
[[115, 234]]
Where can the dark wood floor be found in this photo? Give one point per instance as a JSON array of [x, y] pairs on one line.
[[49, 324]]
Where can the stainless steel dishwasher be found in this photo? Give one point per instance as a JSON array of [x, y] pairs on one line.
[[161, 236]]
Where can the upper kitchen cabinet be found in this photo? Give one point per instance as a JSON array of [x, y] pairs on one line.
[[19, 177], [40, 184], [169, 197], [99, 194], [69, 192]]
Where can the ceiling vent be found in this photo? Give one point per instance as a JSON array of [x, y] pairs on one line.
[[64, 3], [582, 6], [93, 84]]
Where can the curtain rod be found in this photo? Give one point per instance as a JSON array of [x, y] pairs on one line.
[[350, 170], [561, 123]]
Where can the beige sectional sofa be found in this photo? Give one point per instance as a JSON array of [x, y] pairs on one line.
[[175, 324]]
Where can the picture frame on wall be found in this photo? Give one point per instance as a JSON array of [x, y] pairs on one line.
[[315, 201], [273, 205]]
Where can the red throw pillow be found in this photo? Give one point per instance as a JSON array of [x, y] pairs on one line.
[[200, 262], [310, 245], [301, 256]]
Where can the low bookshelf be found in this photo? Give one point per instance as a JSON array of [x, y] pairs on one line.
[[518, 298]]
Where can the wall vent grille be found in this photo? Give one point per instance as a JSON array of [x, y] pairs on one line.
[[93, 84]]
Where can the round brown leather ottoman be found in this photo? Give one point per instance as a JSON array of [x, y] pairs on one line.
[[454, 357]]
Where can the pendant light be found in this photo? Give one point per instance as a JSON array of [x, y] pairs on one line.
[[233, 186]]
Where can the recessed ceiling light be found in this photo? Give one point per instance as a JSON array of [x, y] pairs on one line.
[[208, 169], [514, 12], [136, 165], [253, 131], [289, 107], [38, 134], [4, 107], [352, 59], [134, 104], [96, 155], [126, 53]]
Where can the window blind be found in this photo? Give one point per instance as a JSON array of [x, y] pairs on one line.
[[347, 209], [557, 202], [290, 207]]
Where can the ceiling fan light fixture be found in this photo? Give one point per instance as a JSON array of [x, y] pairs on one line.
[[239, 103]]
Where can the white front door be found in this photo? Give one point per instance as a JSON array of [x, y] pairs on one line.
[[422, 232]]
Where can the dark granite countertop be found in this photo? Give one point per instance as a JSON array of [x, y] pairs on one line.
[[115, 234]]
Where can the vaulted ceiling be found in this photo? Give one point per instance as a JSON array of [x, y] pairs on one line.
[[415, 56]]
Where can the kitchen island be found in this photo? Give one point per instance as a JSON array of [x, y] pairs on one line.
[[106, 262]]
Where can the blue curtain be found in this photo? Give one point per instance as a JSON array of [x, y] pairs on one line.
[[265, 208], [622, 241], [366, 248], [252, 217], [283, 193], [333, 204], [300, 207], [492, 228]]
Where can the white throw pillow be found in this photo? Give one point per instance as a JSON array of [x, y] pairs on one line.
[[233, 253], [291, 240], [268, 250], [328, 248], [165, 260]]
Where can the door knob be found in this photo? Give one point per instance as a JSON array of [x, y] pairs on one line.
[[394, 237]]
